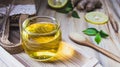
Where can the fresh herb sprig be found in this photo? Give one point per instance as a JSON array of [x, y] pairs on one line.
[[94, 32], [69, 9]]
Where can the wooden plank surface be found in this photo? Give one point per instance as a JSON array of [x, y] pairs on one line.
[[7, 60], [82, 54]]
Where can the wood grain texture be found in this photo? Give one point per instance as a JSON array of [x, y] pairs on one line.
[[82, 54], [67, 57], [7, 60]]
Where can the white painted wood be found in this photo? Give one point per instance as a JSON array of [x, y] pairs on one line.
[[7, 60]]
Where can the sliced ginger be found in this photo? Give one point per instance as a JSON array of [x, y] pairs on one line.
[[87, 5]]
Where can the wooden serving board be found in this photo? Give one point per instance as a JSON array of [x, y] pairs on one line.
[[67, 56]]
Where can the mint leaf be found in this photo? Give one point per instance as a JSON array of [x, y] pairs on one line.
[[69, 4], [103, 34], [75, 14], [90, 31], [94, 32], [98, 38], [66, 9]]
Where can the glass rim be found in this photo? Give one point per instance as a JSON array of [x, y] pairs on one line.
[[24, 25]]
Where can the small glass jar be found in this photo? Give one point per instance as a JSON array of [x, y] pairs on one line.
[[41, 37]]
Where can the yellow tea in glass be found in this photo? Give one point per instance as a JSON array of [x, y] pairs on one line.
[[41, 37]]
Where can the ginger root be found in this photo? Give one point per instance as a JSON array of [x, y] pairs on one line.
[[87, 5]]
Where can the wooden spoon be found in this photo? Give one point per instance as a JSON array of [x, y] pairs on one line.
[[81, 39]]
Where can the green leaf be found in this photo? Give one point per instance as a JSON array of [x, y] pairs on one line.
[[103, 34], [66, 9], [69, 4], [69, 8], [94, 32], [98, 38], [75, 14], [90, 31]]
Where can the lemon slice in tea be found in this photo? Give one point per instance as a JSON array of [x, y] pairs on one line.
[[57, 3], [96, 18]]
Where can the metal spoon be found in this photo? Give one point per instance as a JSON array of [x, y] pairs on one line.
[[80, 39]]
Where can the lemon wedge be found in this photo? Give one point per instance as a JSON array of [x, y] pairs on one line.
[[57, 3], [96, 18]]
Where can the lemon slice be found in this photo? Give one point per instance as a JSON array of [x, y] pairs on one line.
[[96, 18], [57, 3]]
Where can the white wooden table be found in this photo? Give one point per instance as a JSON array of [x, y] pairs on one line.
[[82, 53]]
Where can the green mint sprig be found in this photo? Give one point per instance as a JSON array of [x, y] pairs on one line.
[[69, 9], [94, 32]]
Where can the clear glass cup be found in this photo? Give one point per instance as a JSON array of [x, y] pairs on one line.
[[41, 37]]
